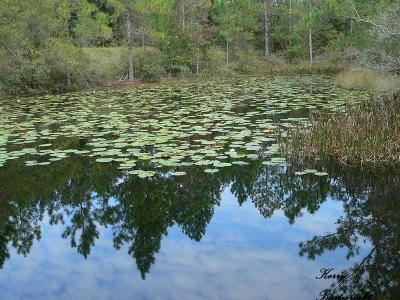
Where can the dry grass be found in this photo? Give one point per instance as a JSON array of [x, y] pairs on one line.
[[254, 63], [304, 68], [367, 134], [375, 82], [108, 65]]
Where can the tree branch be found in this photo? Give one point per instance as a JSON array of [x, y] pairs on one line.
[[356, 17]]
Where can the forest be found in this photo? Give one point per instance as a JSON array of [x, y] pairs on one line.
[[52, 46]]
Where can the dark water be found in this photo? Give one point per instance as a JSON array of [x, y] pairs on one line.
[[82, 229]]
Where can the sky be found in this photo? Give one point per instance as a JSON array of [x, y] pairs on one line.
[[241, 256]]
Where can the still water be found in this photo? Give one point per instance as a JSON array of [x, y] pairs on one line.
[[179, 193]]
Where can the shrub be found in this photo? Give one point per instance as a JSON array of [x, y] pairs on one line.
[[65, 64], [29, 78], [149, 64], [294, 52], [106, 65], [251, 62], [152, 72], [215, 63]]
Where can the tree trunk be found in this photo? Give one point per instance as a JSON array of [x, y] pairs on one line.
[[266, 33], [197, 63], [143, 35], [237, 44], [68, 78], [227, 52], [310, 45], [131, 75], [351, 33], [290, 19], [183, 13]]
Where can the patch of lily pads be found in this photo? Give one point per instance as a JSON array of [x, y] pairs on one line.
[[208, 125]]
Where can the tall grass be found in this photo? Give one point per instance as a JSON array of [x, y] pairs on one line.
[[304, 68], [368, 133], [376, 82]]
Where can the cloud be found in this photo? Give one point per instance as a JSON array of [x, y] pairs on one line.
[[242, 256]]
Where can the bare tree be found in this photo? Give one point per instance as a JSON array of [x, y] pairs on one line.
[[266, 29], [383, 53], [310, 41], [131, 75]]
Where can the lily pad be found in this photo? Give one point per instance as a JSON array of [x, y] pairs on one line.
[[211, 171], [104, 160], [321, 174], [178, 173]]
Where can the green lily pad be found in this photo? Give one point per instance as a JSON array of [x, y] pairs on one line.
[[211, 171], [104, 160], [178, 173], [300, 173], [321, 174]]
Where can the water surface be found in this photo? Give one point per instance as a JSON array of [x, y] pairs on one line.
[[178, 192]]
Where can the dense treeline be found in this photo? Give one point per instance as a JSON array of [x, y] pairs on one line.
[[58, 45]]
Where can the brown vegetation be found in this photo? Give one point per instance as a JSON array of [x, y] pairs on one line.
[[376, 82], [367, 134]]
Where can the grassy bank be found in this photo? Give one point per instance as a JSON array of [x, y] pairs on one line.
[[367, 134], [107, 67], [375, 82], [150, 65]]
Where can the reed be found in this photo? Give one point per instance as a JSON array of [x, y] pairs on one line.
[[367, 134], [376, 82]]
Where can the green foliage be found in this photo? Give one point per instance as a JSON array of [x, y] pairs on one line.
[[251, 62], [105, 65], [44, 45], [92, 26], [235, 19], [215, 64], [64, 61], [33, 37], [149, 64], [29, 78]]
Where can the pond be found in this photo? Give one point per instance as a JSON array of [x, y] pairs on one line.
[[179, 192]]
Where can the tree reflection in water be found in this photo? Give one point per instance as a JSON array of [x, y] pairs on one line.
[[83, 195], [372, 217]]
